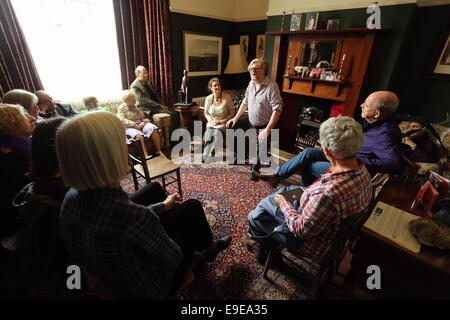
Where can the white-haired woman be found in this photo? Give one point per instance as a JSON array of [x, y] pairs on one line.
[[139, 250], [310, 226], [24, 98], [16, 128], [137, 125]]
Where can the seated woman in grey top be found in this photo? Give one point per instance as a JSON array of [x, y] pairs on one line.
[[140, 251], [219, 108]]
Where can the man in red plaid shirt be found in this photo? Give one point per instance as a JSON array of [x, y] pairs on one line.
[[309, 227]]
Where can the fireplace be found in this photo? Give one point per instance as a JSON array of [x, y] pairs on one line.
[[311, 113]]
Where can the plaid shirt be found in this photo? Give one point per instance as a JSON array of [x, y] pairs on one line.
[[324, 205], [122, 242]]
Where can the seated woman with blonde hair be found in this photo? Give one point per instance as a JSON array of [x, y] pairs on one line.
[[136, 124], [139, 245]]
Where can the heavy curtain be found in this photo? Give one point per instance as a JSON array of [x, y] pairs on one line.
[[17, 67], [143, 34]]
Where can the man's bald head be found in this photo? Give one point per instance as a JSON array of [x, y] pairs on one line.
[[379, 105], [386, 101]]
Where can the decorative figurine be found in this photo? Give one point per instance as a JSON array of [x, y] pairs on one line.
[[185, 86]]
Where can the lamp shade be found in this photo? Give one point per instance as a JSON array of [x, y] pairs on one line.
[[236, 61]]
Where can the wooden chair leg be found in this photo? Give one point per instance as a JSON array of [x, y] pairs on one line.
[[135, 180], [180, 192], [164, 183], [268, 261]]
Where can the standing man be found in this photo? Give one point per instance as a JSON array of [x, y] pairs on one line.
[[264, 104], [380, 152], [147, 98], [48, 108]]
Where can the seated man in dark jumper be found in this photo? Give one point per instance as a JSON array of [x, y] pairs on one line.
[[380, 152], [49, 108]]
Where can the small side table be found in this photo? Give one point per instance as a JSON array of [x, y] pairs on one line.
[[186, 115]]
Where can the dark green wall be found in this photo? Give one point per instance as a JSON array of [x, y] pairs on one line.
[[230, 31], [419, 94]]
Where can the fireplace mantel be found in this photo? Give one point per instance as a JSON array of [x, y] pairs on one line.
[[351, 56]]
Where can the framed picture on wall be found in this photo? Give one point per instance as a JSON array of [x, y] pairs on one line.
[[260, 45], [441, 61], [202, 54], [243, 40], [311, 20], [296, 19], [333, 23]]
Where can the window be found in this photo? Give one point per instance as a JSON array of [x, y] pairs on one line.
[[74, 46]]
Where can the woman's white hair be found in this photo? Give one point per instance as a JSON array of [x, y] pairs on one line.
[[127, 95], [92, 151], [19, 96], [342, 136]]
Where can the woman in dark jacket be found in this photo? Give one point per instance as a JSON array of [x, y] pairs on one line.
[[16, 128]]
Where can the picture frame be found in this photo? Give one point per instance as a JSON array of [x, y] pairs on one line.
[[311, 20], [202, 54], [244, 42], [260, 46], [440, 68], [296, 19], [333, 24]]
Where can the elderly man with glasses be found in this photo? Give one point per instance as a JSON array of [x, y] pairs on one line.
[[380, 152], [264, 104]]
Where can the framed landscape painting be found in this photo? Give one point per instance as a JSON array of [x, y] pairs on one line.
[[202, 54], [441, 61]]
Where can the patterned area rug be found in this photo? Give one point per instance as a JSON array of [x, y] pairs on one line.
[[227, 195]]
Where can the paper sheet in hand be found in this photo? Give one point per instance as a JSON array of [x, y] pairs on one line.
[[393, 223]]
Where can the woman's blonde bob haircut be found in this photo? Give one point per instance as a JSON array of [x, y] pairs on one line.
[[342, 136], [12, 119], [92, 151]]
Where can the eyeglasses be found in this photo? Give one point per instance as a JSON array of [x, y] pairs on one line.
[[254, 69]]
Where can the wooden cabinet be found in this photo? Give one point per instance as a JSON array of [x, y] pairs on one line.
[[347, 51]]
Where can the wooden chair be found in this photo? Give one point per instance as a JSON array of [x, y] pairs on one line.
[[151, 168], [317, 275]]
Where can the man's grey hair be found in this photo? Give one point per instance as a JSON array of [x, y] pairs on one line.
[[342, 136], [138, 70], [387, 102], [21, 97], [264, 64]]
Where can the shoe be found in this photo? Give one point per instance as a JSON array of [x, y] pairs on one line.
[[254, 176], [216, 247], [258, 251], [272, 179]]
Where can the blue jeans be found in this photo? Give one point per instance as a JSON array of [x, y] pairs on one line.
[[311, 163], [267, 224]]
